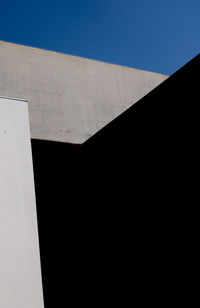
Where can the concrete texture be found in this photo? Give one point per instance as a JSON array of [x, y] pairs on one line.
[[20, 274], [71, 98]]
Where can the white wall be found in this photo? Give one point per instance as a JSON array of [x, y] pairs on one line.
[[70, 98], [20, 274]]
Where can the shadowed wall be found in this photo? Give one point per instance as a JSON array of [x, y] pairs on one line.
[[108, 208]]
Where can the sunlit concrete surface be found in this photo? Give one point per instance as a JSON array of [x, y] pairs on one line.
[[20, 274], [71, 98]]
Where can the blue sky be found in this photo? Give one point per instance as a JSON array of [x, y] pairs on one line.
[[155, 35]]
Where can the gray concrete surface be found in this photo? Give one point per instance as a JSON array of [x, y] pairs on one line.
[[20, 274], [70, 97]]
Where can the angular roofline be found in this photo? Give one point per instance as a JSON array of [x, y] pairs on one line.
[[99, 61]]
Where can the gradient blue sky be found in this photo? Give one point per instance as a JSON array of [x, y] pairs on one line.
[[155, 35]]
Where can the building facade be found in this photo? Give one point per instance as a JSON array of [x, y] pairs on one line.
[[69, 100]]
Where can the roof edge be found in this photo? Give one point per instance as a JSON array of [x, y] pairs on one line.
[[99, 61]]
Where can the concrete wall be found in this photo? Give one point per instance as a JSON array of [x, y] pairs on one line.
[[20, 276], [71, 98]]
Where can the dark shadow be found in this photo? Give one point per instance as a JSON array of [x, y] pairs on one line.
[[116, 206], [196, 236], [56, 183]]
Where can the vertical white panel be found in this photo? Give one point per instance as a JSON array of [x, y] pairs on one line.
[[20, 273]]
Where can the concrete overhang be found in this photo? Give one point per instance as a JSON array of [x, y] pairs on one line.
[[70, 98]]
